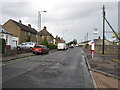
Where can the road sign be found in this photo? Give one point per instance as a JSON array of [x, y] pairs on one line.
[[95, 31], [92, 49]]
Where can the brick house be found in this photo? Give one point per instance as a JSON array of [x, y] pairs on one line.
[[99, 41], [59, 40], [44, 33], [21, 31]]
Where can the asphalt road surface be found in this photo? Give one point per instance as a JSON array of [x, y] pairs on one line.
[[60, 69]]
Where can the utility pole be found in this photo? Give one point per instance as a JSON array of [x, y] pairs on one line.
[[117, 37], [103, 29]]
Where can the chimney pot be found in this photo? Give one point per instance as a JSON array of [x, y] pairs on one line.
[[99, 37], [29, 25], [20, 21], [45, 27]]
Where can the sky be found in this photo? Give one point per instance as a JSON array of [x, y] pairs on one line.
[[70, 19]]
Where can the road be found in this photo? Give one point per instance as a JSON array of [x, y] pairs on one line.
[[60, 69]]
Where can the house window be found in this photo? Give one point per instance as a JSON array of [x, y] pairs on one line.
[[25, 33], [36, 36], [6, 39], [1, 36], [28, 33]]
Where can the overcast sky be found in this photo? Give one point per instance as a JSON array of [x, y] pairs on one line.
[[72, 19]]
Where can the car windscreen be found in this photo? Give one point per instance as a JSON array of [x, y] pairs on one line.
[[37, 47]]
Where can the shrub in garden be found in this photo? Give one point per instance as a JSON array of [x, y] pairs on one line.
[[2, 45], [52, 46]]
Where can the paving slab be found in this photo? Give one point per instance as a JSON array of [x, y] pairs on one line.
[[103, 81]]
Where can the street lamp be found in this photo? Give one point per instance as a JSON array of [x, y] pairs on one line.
[[39, 22], [39, 19]]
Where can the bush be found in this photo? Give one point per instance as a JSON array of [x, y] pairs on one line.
[[45, 42], [52, 46], [2, 45]]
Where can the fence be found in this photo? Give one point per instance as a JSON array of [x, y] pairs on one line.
[[15, 51], [107, 49]]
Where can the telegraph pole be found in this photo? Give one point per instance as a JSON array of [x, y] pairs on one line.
[[103, 29]]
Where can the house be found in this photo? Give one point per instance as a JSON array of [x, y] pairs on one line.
[[11, 40], [23, 32], [44, 33], [85, 42], [59, 40], [99, 41]]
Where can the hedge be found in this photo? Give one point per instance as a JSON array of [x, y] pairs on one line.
[[52, 46], [2, 45]]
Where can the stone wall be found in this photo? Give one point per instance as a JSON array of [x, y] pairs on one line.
[[107, 48]]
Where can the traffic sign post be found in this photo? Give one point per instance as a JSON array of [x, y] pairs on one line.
[[92, 49]]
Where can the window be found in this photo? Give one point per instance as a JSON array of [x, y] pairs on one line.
[[25, 33], [1, 36], [28, 33], [37, 47], [36, 36]]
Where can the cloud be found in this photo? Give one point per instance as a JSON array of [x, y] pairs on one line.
[[72, 15]]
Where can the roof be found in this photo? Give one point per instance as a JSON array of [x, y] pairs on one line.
[[4, 31], [100, 42], [25, 27], [44, 32]]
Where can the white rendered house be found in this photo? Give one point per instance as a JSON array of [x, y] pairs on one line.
[[10, 39]]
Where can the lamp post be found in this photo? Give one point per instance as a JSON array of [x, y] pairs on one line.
[[39, 19], [39, 23]]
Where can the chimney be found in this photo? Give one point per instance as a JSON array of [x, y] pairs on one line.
[[29, 25], [20, 21], [56, 36], [99, 38], [45, 27]]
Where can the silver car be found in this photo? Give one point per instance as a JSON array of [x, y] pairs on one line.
[[26, 45]]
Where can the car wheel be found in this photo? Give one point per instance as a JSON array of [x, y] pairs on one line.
[[48, 52], [33, 52], [30, 48], [18, 48]]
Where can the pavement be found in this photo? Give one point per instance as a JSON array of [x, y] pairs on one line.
[[104, 68]]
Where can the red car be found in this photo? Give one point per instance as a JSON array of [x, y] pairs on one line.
[[40, 49]]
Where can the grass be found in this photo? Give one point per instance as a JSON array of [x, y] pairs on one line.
[[116, 60]]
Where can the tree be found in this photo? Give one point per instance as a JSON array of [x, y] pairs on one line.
[[45, 41], [2, 45], [115, 36], [74, 41], [28, 39]]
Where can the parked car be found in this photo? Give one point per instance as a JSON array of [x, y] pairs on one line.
[[67, 47], [61, 46], [40, 49], [26, 45], [71, 46]]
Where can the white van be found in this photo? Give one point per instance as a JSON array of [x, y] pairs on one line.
[[61, 46]]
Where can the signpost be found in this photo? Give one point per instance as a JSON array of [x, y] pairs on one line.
[[95, 31], [92, 49]]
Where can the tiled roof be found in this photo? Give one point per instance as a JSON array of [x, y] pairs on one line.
[[25, 28], [44, 32], [2, 30]]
